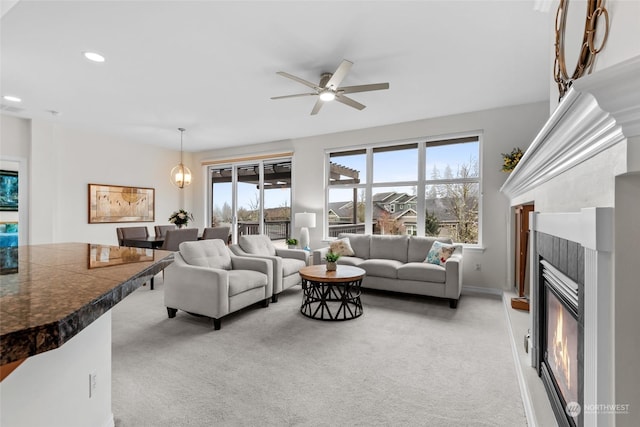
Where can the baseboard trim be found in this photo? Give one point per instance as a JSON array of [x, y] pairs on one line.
[[524, 391], [110, 421], [482, 290]]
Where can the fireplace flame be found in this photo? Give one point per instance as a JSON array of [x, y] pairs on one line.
[[560, 350]]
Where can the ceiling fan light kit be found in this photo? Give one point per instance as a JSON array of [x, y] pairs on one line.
[[327, 95], [329, 88]]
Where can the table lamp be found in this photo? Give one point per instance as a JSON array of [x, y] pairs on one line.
[[305, 221]]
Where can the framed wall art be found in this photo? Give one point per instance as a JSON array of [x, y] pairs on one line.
[[114, 203], [8, 190]]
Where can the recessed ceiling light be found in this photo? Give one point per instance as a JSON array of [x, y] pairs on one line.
[[93, 56], [11, 98]]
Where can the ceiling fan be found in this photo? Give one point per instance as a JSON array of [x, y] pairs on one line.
[[329, 88]]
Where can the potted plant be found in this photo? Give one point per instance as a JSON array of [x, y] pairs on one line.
[[181, 218], [292, 243], [331, 258]]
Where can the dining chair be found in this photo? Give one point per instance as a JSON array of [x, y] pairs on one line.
[[173, 238], [131, 232], [222, 232], [134, 233], [161, 230]]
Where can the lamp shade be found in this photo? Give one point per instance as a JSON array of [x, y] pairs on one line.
[[305, 219]]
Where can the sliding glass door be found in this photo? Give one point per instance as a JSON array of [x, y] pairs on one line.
[[252, 197]]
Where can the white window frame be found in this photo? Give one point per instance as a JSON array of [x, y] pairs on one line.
[[420, 184]]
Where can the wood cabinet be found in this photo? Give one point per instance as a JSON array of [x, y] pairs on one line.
[[521, 257]]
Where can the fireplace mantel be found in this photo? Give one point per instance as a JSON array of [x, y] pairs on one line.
[[598, 112]]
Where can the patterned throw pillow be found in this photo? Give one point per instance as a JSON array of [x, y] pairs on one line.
[[439, 253], [341, 247]]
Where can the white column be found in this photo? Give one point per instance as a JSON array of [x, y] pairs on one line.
[[598, 316]]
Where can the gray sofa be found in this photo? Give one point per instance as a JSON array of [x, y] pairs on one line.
[[396, 263]]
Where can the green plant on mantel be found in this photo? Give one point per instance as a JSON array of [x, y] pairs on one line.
[[510, 161], [292, 242]]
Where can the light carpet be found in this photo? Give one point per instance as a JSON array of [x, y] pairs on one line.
[[407, 361]]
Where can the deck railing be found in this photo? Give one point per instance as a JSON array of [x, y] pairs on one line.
[[276, 230], [335, 229]]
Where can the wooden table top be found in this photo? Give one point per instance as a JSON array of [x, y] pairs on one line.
[[319, 273]]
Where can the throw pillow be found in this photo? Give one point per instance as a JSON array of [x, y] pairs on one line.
[[12, 228], [341, 247], [439, 253]]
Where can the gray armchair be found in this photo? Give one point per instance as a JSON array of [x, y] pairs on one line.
[[206, 279], [286, 262]]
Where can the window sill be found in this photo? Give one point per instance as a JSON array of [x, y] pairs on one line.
[[474, 248]]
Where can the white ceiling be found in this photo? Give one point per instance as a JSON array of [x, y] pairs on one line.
[[210, 66]]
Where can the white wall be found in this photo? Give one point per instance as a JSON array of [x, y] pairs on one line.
[[14, 155], [502, 128], [64, 161]]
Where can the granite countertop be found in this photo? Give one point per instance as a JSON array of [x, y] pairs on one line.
[[49, 293]]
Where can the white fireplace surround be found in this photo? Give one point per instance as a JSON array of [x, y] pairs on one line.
[[600, 112], [593, 229]]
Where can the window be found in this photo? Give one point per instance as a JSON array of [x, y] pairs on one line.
[[347, 172], [426, 187]]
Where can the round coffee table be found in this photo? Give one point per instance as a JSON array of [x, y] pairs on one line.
[[331, 295]]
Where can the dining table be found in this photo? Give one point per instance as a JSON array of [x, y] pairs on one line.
[[149, 242]]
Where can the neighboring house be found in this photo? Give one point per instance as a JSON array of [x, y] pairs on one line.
[[395, 213]]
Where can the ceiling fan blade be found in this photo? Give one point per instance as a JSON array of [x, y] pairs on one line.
[[317, 107], [363, 88], [340, 74], [350, 102], [293, 96], [298, 79]]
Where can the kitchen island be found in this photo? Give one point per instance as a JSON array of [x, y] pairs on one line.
[[55, 328]]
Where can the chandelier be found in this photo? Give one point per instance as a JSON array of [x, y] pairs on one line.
[[180, 175]]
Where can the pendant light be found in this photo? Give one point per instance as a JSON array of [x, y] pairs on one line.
[[181, 175]]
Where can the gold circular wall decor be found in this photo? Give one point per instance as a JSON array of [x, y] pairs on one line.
[[587, 49]]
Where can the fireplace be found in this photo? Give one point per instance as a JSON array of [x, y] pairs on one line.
[[581, 171], [571, 294], [561, 341]]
